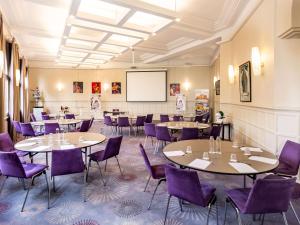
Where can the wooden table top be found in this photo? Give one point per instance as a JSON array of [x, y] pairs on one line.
[[60, 141], [178, 125], [60, 122], [220, 162]]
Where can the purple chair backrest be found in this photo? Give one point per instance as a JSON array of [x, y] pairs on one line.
[[50, 128], [27, 129], [112, 148], [149, 129], [177, 118], [66, 162], [199, 118], [215, 130], [45, 117], [149, 118], [123, 121], [146, 160], [91, 122], [10, 165], [162, 133], [164, 118], [69, 116], [6, 144], [85, 126], [140, 120], [290, 155], [269, 196], [32, 117], [108, 121], [206, 117], [17, 126], [184, 184], [43, 113], [189, 133]]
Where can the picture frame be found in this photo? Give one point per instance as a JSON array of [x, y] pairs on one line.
[[78, 87], [174, 89], [96, 87], [245, 82], [116, 88]]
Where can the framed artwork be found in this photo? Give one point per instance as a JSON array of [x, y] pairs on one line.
[[96, 87], [116, 88], [77, 87], [217, 86], [174, 89], [245, 82]]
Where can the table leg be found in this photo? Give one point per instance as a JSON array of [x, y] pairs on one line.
[[244, 181], [85, 157], [223, 132], [229, 132]]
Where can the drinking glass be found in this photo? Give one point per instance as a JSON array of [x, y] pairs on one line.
[[57, 130], [205, 156], [233, 157], [247, 151], [218, 145], [188, 149], [211, 145]]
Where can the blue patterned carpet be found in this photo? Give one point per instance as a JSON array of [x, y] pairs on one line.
[[121, 202]]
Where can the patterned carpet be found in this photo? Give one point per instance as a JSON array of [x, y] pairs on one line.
[[121, 202]]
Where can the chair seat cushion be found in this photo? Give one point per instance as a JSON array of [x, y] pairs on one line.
[[22, 153], [32, 169], [296, 192], [97, 156], [39, 133], [158, 171], [284, 168], [208, 191], [239, 196]]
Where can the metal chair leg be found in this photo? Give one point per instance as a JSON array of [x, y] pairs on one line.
[[28, 189], [180, 204], [145, 141], [263, 219], [217, 210], [166, 214], [48, 189], [295, 212], [53, 183], [147, 183], [226, 202], [209, 209], [84, 185], [88, 170], [101, 174], [2, 185], [105, 165], [239, 216], [158, 183], [284, 218], [119, 165]]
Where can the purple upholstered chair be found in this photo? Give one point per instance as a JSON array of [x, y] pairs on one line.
[[157, 172], [163, 136], [91, 122], [45, 117], [7, 145], [11, 166], [51, 128], [123, 122], [85, 126], [198, 118], [27, 130], [164, 118], [149, 118], [266, 196], [69, 116], [17, 128], [140, 120], [289, 159], [67, 162], [108, 122], [186, 186], [215, 131], [112, 149], [149, 129], [32, 117], [43, 113], [177, 118], [189, 133], [206, 117]]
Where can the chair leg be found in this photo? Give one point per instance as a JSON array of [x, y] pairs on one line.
[[295, 212], [145, 142], [53, 183], [48, 189], [84, 185], [217, 210], [105, 165], [284, 218], [263, 219], [166, 214], [158, 183], [2, 185], [209, 209], [147, 183], [226, 202], [23, 184], [119, 165], [239, 216], [88, 170], [180, 204], [101, 173], [28, 189]]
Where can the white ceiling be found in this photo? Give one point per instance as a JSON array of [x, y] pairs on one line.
[[114, 33]]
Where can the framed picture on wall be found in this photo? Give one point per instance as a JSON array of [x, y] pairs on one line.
[[245, 82], [174, 89], [77, 87], [217, 86], [116, 88], [96, 87]]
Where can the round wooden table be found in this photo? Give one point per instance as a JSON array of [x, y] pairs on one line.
[[219, 162], [178, 125], [61, 141]]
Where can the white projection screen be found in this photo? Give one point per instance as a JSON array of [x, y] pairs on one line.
[[146, 86]]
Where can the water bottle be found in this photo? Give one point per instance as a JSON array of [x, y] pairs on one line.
[[218, 145], [211, 145]]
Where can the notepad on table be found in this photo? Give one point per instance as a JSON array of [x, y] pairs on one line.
[[174, 153], [263, 159], [40, 148], [200, 164], [242, 167], [20, 145], [64, 147], [90, 142], [251, 149]]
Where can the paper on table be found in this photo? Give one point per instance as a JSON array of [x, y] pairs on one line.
[[90, 142], [263, 159], [25, 144], [174, 153], [64, 147], [40, 148], [242, 167], [200, 164], [251, 149]]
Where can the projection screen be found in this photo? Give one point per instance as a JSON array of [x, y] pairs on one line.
[[146, 86]]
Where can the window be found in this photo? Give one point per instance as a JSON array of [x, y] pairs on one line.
[[7, 80]]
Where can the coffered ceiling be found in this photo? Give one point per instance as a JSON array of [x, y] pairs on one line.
[[123, 33]]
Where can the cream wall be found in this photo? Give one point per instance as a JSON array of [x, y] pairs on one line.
[[198, 77], [273, 116]]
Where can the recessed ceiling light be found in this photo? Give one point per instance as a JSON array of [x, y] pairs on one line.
[[153, 34], [177, 19]]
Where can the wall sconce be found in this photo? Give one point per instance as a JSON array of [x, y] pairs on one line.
[[1, 63], [18, 77], [26, 82], [231, 74], [256, 61], [59, 86], [105, 86], [215, 80], [187, 85]]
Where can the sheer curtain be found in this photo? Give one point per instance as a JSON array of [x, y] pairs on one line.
[[2, 89]]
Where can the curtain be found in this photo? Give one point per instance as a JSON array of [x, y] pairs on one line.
[[24, 91], [2, 108]]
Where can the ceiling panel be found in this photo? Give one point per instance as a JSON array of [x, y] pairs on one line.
[[86, 34], [80, 44]]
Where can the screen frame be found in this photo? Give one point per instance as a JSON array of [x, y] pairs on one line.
[[147, 71]]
